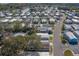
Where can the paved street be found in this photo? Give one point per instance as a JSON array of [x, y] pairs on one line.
[[58, 47], [58, 50]]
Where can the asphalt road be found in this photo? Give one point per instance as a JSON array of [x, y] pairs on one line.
[[58, 50]]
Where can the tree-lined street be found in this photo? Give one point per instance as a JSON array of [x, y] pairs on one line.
[[58, 50]]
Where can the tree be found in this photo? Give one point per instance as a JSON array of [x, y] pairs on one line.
[[32, 31], [33, 43], [13, 46], [63, 27], [68, 53], [1, 28], [17, 26], [63, 40]]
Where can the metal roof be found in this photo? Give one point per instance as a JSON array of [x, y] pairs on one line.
[[75, 26], [77, 32], [70, 35]]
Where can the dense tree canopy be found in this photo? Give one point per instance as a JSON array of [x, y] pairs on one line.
[[13, 46]]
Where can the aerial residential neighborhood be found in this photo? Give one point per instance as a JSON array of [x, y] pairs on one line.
[[39, 29]]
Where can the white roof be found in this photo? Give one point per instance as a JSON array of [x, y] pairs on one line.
[[52, 19], [36, 16], [75, 16], [5, 20], [12, 20], [43, 35], [70, 14], [24, 16], [17, 34], [19, 19], [23, 24], [9, 17], [75, 20], [44, 20], [57, 13], [45, 41]]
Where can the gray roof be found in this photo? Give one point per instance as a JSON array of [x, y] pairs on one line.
[[68, 27], [44, 28], [75, 26], [76, 33], [68, 21]]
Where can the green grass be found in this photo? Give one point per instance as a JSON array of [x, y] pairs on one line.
[[51, 41], [63, 41], [51, 38]]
